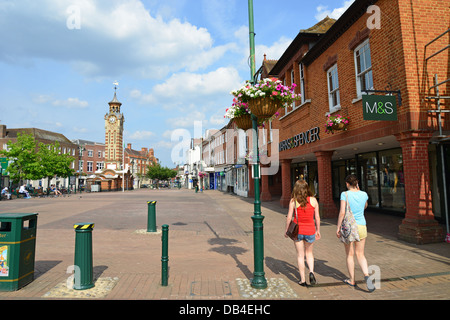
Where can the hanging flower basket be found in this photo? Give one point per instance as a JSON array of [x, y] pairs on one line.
[[336, 123], [264, 107], [339, 126], [244, 121], [262, 99]]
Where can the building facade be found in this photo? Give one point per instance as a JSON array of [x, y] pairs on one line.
[[379, 46], [138, 162], [46, 137], [91, 159]]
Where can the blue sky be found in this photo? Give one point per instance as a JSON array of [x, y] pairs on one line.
[[175, 60]]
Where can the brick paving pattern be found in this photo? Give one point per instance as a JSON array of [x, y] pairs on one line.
[[211, 251]]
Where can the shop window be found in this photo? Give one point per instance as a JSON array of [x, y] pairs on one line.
[[368, 167], [363, 66], [333, 89], [392, 180]]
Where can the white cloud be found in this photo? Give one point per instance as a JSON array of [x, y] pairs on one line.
[[71, 103], [192, 88], [139, 135], [113, 38], [187, 119], [323, 11]]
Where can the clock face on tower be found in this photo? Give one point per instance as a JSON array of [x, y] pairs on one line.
[[112, 119]]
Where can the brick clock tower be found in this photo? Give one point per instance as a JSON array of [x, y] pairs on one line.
[[114, 135]]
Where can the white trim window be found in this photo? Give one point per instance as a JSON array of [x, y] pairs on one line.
[[90, 166], [301, 69], [292, 82], [363, 68], [333, 89]]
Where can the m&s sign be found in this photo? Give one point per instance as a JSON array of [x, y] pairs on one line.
[[379, 107]]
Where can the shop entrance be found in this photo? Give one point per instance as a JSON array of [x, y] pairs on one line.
[[380, 174], [308, 172]]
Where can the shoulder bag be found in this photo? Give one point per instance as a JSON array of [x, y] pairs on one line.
[[292, 231], [349, 228]]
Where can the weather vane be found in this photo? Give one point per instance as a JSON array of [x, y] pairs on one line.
[[115, 83]]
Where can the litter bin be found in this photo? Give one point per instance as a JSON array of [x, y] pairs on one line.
[[17, 249]]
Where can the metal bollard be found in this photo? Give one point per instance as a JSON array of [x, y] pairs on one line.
[[165, 255], [151, 216], [83, 256]]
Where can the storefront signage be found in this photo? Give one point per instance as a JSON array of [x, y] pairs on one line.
[[300, 139], [382, 108]]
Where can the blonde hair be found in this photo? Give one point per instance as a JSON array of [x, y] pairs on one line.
[[301, 192]]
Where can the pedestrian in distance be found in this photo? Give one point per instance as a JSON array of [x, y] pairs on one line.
[[357, 201], [24, 191], [6, 194], [305, 210], [55, 190]]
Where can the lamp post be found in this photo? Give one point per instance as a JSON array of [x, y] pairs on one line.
[[258, 281]]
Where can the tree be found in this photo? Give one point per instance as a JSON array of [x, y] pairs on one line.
[[52, 162], [156, 172], [29, 162], [23, 161]]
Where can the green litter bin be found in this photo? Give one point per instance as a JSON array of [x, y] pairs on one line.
[[17, 249]]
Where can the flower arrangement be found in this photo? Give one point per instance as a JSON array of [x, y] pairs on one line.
[[237, 109], [267, 87], [336, 123], [262, 99], [264, 121], [202, 174]]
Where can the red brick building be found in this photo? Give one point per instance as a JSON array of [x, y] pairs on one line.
[[137, 163], [374, 45]]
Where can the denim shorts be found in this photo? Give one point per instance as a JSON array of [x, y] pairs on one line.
[[309, 239]]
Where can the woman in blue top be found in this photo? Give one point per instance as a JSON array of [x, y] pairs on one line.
[[357, 201]]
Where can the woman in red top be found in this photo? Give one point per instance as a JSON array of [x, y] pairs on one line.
[[305, 209]]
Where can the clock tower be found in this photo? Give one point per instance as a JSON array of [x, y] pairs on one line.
[[114, 135]]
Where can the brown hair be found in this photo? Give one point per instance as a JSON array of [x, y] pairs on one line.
[[352, 180], [300, 192]]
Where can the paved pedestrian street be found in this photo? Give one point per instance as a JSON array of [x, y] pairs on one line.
[[211, 251]]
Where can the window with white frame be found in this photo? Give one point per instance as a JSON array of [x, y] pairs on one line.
[[90, 153], [292, 81], [333, 89], [363, 67], [285, 105], [89, 166], [302, 82], [100, 166]]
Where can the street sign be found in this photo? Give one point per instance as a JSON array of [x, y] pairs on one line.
[[4, 165], [382, 108]]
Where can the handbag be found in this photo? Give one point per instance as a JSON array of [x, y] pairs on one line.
[[292, 231], [349, 228]]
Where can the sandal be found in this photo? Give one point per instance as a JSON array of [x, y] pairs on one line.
[[303, 284], [312, 279], [369, 284], [347, 281]]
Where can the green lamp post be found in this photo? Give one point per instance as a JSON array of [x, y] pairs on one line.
[[259, 281]]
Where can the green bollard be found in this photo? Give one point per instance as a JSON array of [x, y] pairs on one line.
[[165, 255], [84, 272], [151, 216]]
